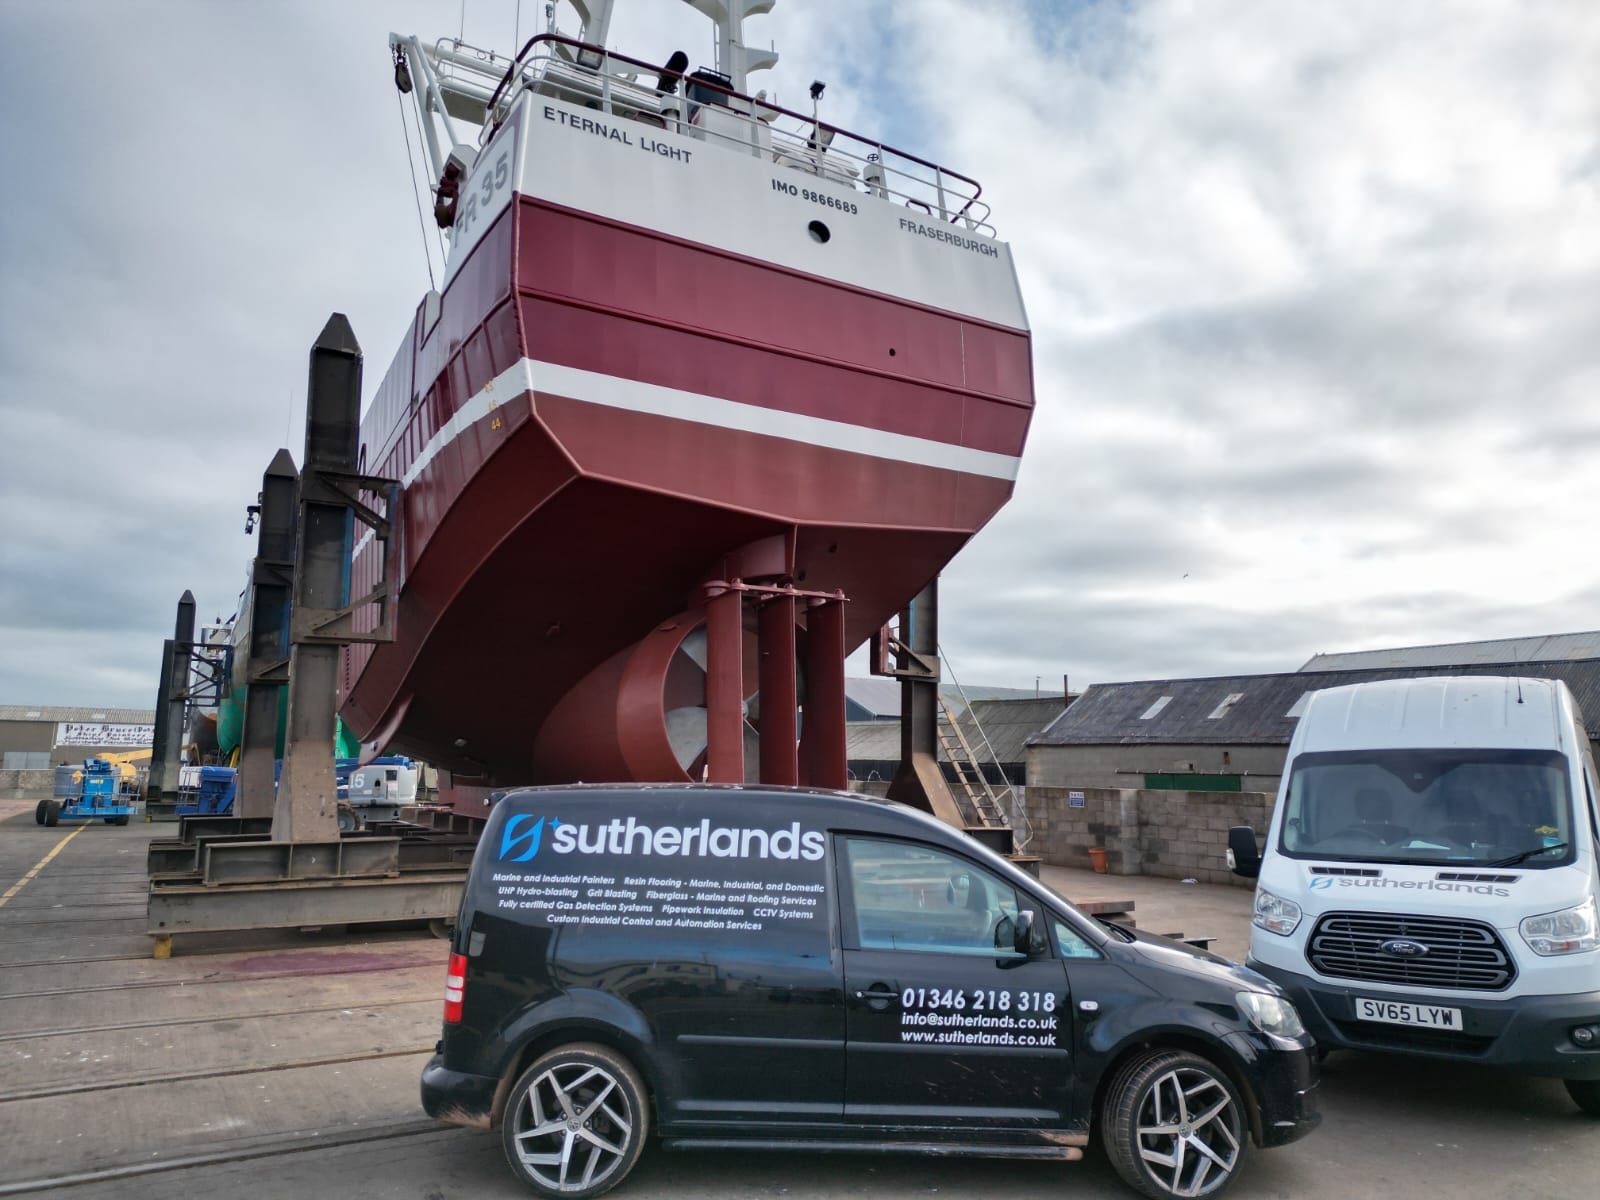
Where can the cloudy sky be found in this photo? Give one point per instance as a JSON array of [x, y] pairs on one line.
[[1315, 290]]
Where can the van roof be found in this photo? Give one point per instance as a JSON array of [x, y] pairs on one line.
[[1470, 710], [868, 812]]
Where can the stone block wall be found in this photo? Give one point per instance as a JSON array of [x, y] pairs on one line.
[[27, 785], [1178, 835]]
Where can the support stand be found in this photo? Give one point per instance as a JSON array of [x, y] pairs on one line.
[[280, 861]]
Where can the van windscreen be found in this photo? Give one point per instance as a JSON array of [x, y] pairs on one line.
[[1465, 807]]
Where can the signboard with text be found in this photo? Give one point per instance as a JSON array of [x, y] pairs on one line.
[[104, 734]]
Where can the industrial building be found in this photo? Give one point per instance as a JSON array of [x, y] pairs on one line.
[[36, 737], [997, 729], [1231, 733]]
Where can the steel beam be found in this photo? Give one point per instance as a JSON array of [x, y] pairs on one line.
[[161, 784], [823, 754], [780, 761], [192, 828], [308, 804], [269, 636], [444, 820], [725, 687], [919, 782], [174, 859], [252, 861], [191, 908]]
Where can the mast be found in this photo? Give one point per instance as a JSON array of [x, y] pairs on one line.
[[735, 58]]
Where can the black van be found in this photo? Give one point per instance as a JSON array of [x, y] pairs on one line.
[[756, 967]]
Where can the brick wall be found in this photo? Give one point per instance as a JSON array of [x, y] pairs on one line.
[[1179, 835]]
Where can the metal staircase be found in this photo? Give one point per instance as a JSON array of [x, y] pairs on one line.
[[985, 806]]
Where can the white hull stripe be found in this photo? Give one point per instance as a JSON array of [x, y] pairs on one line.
[[611, 391]]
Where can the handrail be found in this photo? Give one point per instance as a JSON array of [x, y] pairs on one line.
[[815, 145], [494, 99], [1022, 828]]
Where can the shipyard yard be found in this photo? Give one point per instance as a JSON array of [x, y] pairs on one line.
[[288, 1067], [694, 402]]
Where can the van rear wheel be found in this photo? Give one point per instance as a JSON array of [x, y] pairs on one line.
[[576, 1122], [1585, 1094], [1173, 1125]]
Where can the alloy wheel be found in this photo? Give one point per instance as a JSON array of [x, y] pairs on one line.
[[574, 1127], [1189, 1132]]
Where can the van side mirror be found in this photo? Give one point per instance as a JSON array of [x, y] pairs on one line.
[[1022, 935], [1244, 856]]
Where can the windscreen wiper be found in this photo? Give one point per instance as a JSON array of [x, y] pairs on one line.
[[1514, 859]]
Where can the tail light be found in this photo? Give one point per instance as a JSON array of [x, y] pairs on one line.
[[455, 986]]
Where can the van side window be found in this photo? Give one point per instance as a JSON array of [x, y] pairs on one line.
[[1073, 944], [910, 897]]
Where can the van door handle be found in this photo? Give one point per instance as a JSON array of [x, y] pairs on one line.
[[878, 996]]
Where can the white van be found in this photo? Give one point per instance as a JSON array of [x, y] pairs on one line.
[[1429, 882]]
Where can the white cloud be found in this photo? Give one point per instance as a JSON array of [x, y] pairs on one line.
[[1313, 289]]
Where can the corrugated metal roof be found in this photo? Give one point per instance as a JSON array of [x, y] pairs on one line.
[[878, 696], [872, 741], [1550, 647], [1113, 714], [46, 712], [1008, 724], [881, 697]]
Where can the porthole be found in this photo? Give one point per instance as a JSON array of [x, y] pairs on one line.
[[819, 232]]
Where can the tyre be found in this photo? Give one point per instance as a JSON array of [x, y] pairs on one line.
[[52, 812], [1585, 1094], [38, 813], [346, 820], [1173, 1125], [122, 820], [576, 1122]]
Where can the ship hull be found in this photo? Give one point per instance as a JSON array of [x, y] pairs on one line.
[[612, 396]]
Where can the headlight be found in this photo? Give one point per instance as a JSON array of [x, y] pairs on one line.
[[1275, 914], [1270, 1014], [1570, 931]]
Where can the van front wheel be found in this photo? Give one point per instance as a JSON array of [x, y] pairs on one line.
[[576, 1122], [1585, 1094], [1173, 1125]]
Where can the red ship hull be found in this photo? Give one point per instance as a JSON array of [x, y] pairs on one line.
[[601, 411]]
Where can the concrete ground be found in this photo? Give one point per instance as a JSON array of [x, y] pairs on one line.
[[288, 1068], [1168, 906]]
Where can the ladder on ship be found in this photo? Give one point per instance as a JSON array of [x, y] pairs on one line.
[[988, 808]]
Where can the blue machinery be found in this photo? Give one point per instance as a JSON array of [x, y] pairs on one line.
[[219, 785], [94, 792]]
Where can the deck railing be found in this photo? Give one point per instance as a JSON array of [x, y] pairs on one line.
[[482, 86]]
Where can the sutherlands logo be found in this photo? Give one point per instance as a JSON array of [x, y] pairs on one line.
[[1323, 883], [528, 842], [523, 835]]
